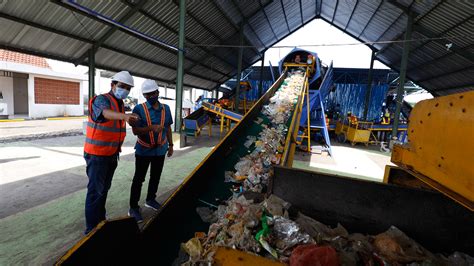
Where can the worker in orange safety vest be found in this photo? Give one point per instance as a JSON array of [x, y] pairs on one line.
[[153, 143], [105, 134]]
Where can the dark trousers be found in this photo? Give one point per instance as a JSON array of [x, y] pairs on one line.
[[100, 170], [141, 168]]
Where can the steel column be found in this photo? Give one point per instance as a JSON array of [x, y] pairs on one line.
[[403, 70], [368, 92], [91, 73], [239, 67], [179, 78], [260, 86]]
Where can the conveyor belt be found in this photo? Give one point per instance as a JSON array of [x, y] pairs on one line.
[[222, 112], [205, 184], [194, 122]]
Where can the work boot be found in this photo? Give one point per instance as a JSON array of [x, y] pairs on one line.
[[135, 213], [152, 204]]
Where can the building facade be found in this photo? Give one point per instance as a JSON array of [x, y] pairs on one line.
[[29, 88]]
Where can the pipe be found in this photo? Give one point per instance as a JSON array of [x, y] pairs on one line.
[[75, 5]]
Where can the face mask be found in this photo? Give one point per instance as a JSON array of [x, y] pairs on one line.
[[310, 61], [152, 100], [121, 93]]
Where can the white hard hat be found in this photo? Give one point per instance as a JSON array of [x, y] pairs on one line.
[[123, 77], [149, 85]]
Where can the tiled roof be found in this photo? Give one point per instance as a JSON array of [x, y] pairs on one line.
[[20, 58]]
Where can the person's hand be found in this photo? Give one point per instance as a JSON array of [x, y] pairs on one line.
[[156, 128], [132, 119], [170, 150]]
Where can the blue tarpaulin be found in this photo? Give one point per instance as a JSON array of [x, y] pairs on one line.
[[351, 97]]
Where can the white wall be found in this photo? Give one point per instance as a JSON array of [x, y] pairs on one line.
[[6, 87], [172, 105], [187, 95], [48, 110]]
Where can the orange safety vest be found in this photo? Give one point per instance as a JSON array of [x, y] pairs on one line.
[[161, 141], [105, 139], [353, 119]]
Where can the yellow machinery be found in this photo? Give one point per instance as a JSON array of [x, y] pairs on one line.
[[245, 86], [341, 127], [359, 133], [223, 114], [440, 149], [233, 257], [353, 131]]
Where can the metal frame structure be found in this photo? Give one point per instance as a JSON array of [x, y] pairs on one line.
[[197, 70]]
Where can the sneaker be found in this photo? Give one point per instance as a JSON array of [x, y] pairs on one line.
[[135, 213], [152, 204]]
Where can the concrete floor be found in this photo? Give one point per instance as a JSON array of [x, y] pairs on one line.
[[358, 162], [16, 130], [42, 189]]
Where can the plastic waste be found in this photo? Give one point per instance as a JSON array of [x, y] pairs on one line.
[[458, 258], [207, 214], [275, 205], [288, 234], [263, 234], [193, 247], [229, 176], [396, 247], [250, 141], [314, 255]]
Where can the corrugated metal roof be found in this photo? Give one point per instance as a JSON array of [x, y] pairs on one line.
[[49, 29]]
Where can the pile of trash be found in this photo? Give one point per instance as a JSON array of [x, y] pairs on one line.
[[282, 103], [266, 229], [254, 170]]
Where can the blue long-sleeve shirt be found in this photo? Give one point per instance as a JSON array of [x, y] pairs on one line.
[[155, 116]]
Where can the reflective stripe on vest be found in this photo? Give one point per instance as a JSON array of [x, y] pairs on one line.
[[151, 134], [105, 139]]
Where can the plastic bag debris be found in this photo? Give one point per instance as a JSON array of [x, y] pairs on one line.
[[193, 247], [252, 227], [263, 234], [314, 255], [394, 246], [319, 231], [288, 234], [207, 214], [461, 259], [250, 141], [276, 206], [229, 177], [258, 121]]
